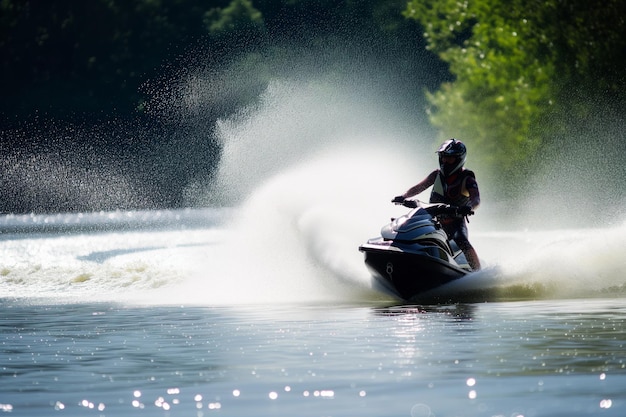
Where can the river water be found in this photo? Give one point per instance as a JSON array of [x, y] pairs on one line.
[[179, 313], [265, 307]]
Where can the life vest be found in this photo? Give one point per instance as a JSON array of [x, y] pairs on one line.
[[452, 190]]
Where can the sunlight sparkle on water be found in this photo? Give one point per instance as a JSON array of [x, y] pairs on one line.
[[470, 383], [161, 403], [606, 403]]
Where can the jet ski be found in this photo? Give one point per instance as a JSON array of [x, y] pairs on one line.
[[413, 254]]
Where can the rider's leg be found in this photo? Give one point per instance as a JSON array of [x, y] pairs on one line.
[[472, 258], [458, 231]]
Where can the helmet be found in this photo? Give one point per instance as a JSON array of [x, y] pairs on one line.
[[454, 148]]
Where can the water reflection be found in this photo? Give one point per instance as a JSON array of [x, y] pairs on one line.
[[455, 311], [459, 359]]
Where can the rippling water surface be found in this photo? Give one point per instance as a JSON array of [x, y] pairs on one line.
[[502, 358], [265, 308], [173, 314]]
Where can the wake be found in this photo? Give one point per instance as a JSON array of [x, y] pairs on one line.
[[312, 184], [307, 173]]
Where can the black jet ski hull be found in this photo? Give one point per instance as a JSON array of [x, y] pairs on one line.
[[408, 273]]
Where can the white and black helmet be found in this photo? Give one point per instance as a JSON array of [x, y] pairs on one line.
[[454, 148]]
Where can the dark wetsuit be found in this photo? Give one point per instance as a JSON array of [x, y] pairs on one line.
[[459, 189]]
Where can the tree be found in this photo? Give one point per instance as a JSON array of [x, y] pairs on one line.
[[64, 58], [516, 66], [239, 15]]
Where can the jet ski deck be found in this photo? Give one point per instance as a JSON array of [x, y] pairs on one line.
[[413, 254]]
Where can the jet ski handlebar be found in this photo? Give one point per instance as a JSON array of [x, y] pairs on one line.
[[449, 210], [406, 202], [436, 208]]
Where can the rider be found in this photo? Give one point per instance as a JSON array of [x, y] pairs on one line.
[[454, 185]]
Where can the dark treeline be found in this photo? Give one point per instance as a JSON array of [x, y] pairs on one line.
[[92, 91], [72, 59], [85, 123]]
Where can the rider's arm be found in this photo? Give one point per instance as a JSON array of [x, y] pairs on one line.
[[421, 186], [474, 194]]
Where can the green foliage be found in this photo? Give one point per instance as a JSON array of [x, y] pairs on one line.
[[239, 15], [516, 64], [66, 58]]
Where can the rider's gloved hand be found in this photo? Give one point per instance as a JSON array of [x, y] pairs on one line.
[[398, 199], [409, 203], [465, 211]]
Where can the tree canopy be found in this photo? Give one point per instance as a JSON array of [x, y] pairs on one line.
[[526, 72], [515, 79], [63, 58]]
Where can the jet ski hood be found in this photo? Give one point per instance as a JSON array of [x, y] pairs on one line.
[[417, 222]]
